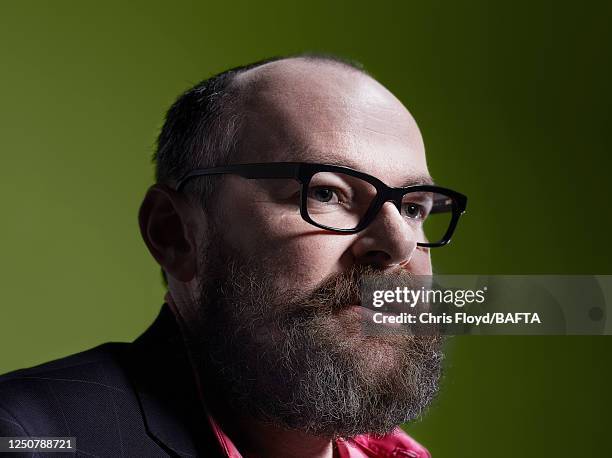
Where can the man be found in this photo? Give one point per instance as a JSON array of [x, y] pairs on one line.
[[258, 351]]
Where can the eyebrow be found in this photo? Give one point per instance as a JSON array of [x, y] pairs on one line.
[[314, 155], [418, 180]]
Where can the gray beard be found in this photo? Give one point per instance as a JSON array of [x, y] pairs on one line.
[[293, 359]]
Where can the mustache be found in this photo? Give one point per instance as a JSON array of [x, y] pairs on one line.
[[342, 290]]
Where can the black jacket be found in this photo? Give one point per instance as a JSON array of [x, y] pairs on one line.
[[118, 399]]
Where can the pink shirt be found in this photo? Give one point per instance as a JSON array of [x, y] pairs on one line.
[[397, 444]]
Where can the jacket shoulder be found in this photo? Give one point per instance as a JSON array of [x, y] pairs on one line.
[[100, 353], [17, 393], [33, 392], [86, 395]]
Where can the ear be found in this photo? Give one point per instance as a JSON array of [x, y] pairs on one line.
[[168, 231]]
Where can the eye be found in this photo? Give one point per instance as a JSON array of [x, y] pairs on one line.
[[324, 195], [413, 210]]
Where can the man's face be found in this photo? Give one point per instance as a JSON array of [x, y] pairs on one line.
[[278, 295], [301, 111]]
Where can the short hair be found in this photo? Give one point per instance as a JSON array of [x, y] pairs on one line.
[[202, 127]]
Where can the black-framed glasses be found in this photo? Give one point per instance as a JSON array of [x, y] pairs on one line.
[[341, 199]]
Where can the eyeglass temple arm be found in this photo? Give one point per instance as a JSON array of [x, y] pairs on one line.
[[249, 171]]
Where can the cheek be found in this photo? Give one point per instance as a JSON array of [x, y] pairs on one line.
[[294, 252], [304, 254], [310, 259]]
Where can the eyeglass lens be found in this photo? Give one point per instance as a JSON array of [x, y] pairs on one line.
[[340, 201]]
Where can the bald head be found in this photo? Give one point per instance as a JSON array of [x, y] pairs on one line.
[[307, 107]]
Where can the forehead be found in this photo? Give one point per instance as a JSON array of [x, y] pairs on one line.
[[300, 110]]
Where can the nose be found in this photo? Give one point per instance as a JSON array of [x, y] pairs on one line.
[[387, 241]]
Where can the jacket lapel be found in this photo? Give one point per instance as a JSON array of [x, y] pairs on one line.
[[164, 384]]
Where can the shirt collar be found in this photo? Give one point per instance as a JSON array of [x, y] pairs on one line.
[[395, 444]]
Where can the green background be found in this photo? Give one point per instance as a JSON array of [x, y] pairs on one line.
[[513, 100]]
